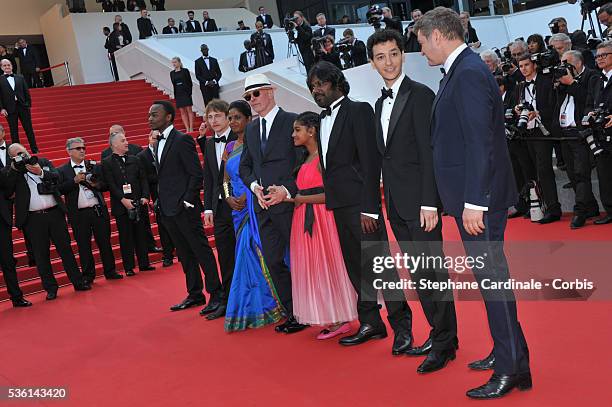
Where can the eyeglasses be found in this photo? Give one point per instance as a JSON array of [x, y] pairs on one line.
[[603, 55], [78, 148], [248, 96]]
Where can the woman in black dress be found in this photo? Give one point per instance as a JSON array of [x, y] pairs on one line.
[[181, 80]]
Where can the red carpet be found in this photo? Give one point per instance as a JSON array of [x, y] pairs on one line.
[[118, 345]]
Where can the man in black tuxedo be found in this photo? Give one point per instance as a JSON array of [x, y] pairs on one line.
[[5, 55], [351, 178], [323, 30], [358, 52], [7, 261], [265, 18], [208, 24], [266, 167], [192, 26], [209, 74], [40, 213], [247, 58], [242, 27], [170, 28], [476, 185], [411, 196], [180, 179], [145, 25], [217, 212], [15, 103], [262, 42], [125, 30], [111, 48], [129, 189], [148, 163], [29, 63], [87, 212]]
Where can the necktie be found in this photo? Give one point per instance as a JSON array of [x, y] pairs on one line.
[[264, 136], [386, 93], [77, 166], [221, 139]]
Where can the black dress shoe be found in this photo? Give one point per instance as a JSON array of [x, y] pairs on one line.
[[577, 222], [82, 287], [604, 221], [549, 218], [51, 296], [167, 263], [516, 214], [499, 385], [364, 334], [210, 308], [114, 276], [592, 214], [31, 261], [147, 268], [292, 326], [21, 303], [436, 360], [155, 249], [281, 327], [402, 343], [421, 350], [487, 363], [187, 303], [219, 313], [130, 273]]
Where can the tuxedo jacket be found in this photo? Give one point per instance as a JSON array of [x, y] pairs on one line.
[[179, 174], [579, 90], [351, 174], [275, 165], [213, 175], [209, 25], [127, 35], [115, 178], [598, 93], [204, 74], [193, 26], [471, 159], [266, 20], [545, 100], [407, 157], [118, 5], [133, 149], [16, 183], [243, 66], [359, 53], [6, 204], [319, 31], [70, 190], [28, 62], [170, 30], [145, 28], [114, 43], [7, 94], [147, 162]]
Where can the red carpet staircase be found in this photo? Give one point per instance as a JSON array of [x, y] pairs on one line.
[[85, 111]]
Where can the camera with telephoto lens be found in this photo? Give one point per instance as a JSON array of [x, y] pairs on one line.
[[134, 213], [317, 43], [545, 60], [525, 108], [289, 25], [374, 16], [505, 57], [554, 27], [560, 70], [90, 175], [595, 131], [512, 132], [20, 161], [344, 45]]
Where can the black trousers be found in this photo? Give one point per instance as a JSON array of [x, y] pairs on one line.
[[541, 154], [113, 64], [85, 224], [146, 223], [578, 166], [192, 247], [42, 229], [509, 345], [360, 272], [209, 93], [523, 168], [164, 237], [32, 79], [438, 306], [275, 233], [225, 241], [604, 175], [132, 240], [7, 261], [23, 115]]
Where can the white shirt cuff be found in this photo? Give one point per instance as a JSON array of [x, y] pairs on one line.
[[371, 215], [476, 207], [429, 208], [286, 190], [207, 211], [253, 185]]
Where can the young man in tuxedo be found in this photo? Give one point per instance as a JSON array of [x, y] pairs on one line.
[[125, 30], [358, 53], [82, 188], [262, 42], [145, 25], [170, 28], [29, 62], [41, 213], [475, 182], [350, 165], [403, 138], [15, 104], [217, 212], [209, 74], [7, 261], [247, 58], [180, 179], [265, 18], [266, 167], [192, 26], [323, 30], [208, 24]]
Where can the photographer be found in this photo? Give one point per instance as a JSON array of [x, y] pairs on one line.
[[145, 25], [324, 50], [262, 43], [561, 43], [600, 96], [357, 50], [410, 39], [604, 15], [513, 74], [536, 112], [558, 25], [40, 213], [469, 33], [128, 186], [535, 43], [304, 37], [391, 23], [492, 60], [572, 89]]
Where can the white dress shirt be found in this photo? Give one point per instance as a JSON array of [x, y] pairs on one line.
[[38, 202], [207, 62], [327, 124], [3, 152], [530, 96], [219, 149], [607, 75], [11, 81], [87, 199], [447, 66], [162, 143], [250, 58]]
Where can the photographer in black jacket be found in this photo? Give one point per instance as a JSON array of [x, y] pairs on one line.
[[303, 39]]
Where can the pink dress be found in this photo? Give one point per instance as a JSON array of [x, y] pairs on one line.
[[322, 291]]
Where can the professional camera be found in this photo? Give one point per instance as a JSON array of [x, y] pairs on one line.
[[374, 16], [525, 108], [289, 25], [554, 27], [545, 60], [595, 129], [134, 214], [588, 6], [512, 132], [505, 57], [20, 161], [90, 175], [560, 70], [344, 45], [317, 44]]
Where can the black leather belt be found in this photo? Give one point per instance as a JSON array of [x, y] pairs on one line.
[[45, 210]]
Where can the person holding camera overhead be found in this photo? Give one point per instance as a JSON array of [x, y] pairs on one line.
[[304, 37], [40, 213], [128, 186], [325, 50], [262, 42], [87, 213]]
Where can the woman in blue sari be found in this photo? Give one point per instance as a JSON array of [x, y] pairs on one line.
[[253, 301]]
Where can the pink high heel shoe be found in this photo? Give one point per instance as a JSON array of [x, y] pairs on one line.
[[327, 334]]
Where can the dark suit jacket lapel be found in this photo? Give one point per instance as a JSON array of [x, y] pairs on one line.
[[211, 156], [447, 77], [380, 142], [398, 107], [338, 124], [271, 136], [167, 147]]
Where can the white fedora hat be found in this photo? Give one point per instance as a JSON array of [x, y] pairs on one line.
[[256, 81]]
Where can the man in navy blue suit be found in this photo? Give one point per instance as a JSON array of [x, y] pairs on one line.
[[476, 185]]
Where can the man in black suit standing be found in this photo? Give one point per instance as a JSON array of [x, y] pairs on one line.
[[209, 74], [351, 178], [125, 30], [40, 213], [129, 189], [266, 19], [170, 28], [29, 63], [323, 30], [266, 167], [180, 179], [87, 213], [160, 5], [145, 25], [262, 42], [15, 103], [118, 5], [247, 58], [208, 24], [192, 26], [411, 196], [7, 261], [358, 52], [476, 185], [303, 39], [217, 212]]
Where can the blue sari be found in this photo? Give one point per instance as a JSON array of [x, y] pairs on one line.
[[253, 301]]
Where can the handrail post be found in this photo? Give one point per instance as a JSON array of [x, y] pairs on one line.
[[68, 73]]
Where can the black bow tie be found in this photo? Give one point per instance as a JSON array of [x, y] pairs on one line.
[[160, 137], [328, 111], [206, 57], [443, 71], [221, 139], [386, 93], [528, 83], [9, 75], [3, 147], [77, 166]]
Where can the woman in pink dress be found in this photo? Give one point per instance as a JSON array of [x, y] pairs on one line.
[[322, 292]]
